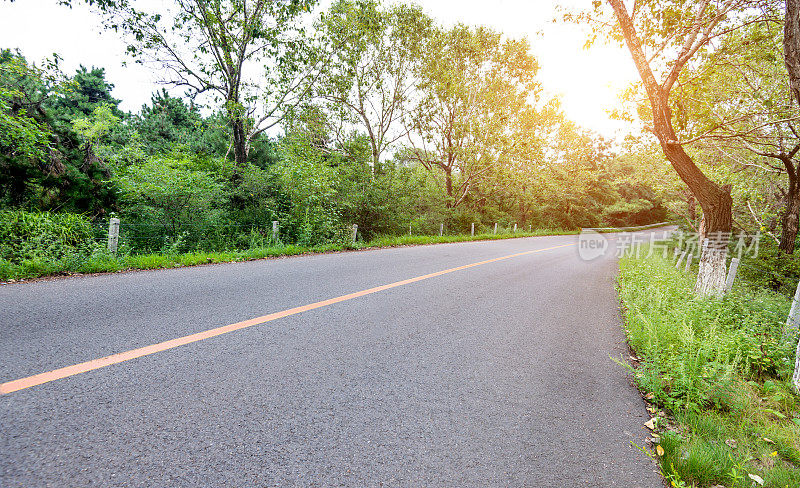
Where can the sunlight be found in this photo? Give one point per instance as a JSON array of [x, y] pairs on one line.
[[588, 82]]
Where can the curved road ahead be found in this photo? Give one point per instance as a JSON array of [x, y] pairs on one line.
[[497, 374]]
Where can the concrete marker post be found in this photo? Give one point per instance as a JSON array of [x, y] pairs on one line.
[[113, 235], [355, 232], [441, 230], [495, 227], [409, 229], [732, 270], [792, 324], [515, 228], [680, 260], [274, 231], [472, 231], [793, 321]]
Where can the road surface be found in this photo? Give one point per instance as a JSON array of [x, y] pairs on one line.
[[498, 374]]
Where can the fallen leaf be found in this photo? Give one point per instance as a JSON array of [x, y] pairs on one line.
[[649, 396], [731, 443], [773, 453], [767, 439], [651, 424], [758, 479], [660, 450]]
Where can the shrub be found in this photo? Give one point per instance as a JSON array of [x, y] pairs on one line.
[[43, 235]]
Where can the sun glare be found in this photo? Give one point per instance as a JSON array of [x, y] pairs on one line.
[[588, 82]]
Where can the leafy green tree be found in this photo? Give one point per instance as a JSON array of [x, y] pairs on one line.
[[250, 56], [370, 80], [744, 115], [475, 117], [664, 38]]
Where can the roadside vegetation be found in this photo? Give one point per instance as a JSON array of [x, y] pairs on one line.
[[717, 375], [455, 131], [45, 244]]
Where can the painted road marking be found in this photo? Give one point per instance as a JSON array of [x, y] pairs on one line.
[[68, 371]]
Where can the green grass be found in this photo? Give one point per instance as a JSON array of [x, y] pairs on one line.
[[100, 261], [720, 370]]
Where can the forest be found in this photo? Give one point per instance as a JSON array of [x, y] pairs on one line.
[[380, 118], [375, 114]]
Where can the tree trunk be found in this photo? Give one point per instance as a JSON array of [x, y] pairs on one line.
[[790, 217], [791, 46], [712, 270], [715, 201], [239, 142], [448, 184]]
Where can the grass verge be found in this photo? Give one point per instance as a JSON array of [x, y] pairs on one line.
[[102, 262], [717, 375]]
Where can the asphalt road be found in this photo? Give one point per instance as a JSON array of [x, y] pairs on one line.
[[494, 375]]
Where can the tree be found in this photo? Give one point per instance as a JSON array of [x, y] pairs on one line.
[[251, 56], [39, 105], [738, 95], [370, 80], [673, 32], [475, 115]]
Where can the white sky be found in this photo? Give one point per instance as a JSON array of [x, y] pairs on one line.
[[588, 82]]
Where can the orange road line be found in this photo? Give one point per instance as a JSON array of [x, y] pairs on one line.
[[68, 371]]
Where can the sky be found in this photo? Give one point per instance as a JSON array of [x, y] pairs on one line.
[[588, 82]]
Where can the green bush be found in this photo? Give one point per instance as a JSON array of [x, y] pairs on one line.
[[771, 268], [43, 235]]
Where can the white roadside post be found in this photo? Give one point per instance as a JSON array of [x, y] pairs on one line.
[[680, 260], [355, 232], [515, 228], [792, 325], [796, 376], [731, 274], [409, 229], [113, 235], [688, 262], [495, 227], [441, 230], [274, 231], [472, 231]]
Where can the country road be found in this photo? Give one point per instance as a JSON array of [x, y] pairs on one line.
[[498, 374]]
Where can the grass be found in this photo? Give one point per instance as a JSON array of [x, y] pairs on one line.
[[720, 372], [102, 262]]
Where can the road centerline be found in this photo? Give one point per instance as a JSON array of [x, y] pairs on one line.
[[75, 369]]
